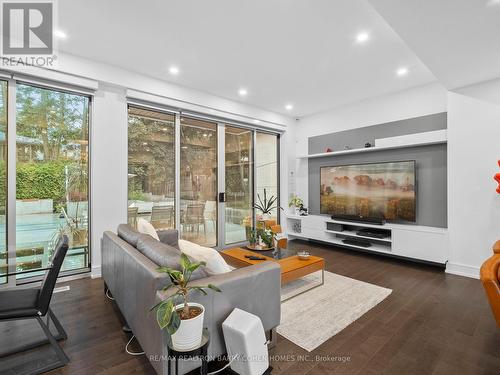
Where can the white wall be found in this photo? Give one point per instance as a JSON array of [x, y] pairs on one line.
[[418, 101], [473, 151]]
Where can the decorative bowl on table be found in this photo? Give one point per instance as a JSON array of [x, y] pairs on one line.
[[303, 254], [257, 247]]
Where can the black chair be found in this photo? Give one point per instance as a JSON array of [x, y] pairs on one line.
[[34, 303]]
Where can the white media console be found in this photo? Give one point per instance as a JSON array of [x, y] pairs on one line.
[[421, 243]]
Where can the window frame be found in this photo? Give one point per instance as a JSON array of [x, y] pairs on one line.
[[11, 220]]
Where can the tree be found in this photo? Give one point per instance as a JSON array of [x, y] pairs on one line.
[[151, 156], [57, 120]]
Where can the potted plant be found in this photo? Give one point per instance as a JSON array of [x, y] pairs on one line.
[[183, 321], [267, 237], [68, 230], [252, 237], [266, 206], [77, 184], [296, 203]]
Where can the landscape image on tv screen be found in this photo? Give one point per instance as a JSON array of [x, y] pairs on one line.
[[382, 190]]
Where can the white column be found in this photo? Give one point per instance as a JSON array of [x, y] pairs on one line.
[[109, 154]]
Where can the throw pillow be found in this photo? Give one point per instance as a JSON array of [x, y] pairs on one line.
[[215, 262], [145, 227]]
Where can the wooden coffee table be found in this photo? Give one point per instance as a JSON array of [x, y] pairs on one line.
[[292, 268]]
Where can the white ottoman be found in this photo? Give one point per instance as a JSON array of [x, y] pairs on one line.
[[246, 343]]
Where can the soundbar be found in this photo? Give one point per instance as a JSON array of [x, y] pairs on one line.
[[349, 241], [359, 219]]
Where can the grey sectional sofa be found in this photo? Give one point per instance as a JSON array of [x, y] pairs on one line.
[[133, 281]]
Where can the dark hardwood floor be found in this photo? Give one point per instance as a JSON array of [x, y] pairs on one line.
[[432, 323]]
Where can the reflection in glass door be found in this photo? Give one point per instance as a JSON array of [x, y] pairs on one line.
[[198, 181], [238, 180]]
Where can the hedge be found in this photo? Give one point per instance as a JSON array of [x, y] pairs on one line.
[[41, 181], [36, 181]]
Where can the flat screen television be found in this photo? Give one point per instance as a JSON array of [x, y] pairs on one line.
[[376, 190]]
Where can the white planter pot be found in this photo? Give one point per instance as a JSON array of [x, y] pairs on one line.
[[265, 217], [190, 331], [296, 211], [260, 242]]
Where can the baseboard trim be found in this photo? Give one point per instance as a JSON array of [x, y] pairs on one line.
[[96, 272], [462, 270]]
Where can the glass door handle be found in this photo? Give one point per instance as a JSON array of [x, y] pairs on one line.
[[222, 197]]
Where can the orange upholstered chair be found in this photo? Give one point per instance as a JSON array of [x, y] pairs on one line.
[[282, 242], [490, 275]]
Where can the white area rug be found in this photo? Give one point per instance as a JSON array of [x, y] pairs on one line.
[[309, 319]]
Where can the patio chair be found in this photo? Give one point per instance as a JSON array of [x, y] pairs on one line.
[[132, 216], [162, 217], [194, 218], [34, 303], [210, 213]]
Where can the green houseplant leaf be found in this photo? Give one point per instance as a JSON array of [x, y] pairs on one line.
[[174, 324], [166, 316], [164, 313], [265, 206]]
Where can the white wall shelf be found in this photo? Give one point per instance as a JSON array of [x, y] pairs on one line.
[[392, 143]]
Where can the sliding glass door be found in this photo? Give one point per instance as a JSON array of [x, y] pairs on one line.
[[151, 167], [198, 181], [239, 183], [267, 168], [198, 175], [52, 177]]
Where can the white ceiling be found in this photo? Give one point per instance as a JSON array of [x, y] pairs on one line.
[[459, 40], [282, 51]]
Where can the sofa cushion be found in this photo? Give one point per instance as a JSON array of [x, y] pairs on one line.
[[215, 263], [165, 255], [160, 253], [169, 237], [128, 234], [146, 227]]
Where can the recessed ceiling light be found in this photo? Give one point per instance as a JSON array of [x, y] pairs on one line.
[[289, 107], [402, 72], [362, 37], [174, 70], [60, 34], [242, 92]]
